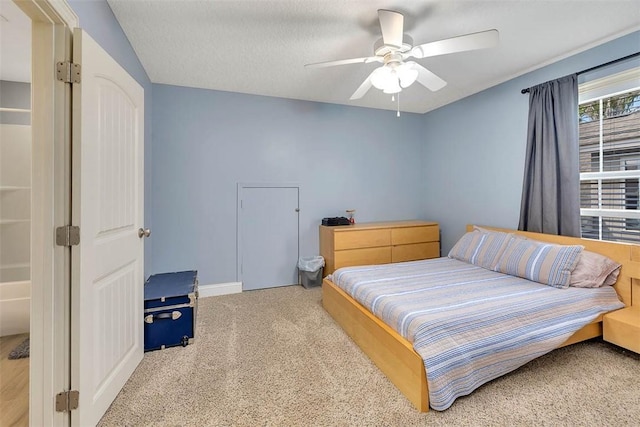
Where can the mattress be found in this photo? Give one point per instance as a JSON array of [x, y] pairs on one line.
[[469, 324]]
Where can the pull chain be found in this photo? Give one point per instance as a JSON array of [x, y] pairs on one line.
[[398, 115]]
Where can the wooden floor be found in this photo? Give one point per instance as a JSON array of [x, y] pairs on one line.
[[14, 384]]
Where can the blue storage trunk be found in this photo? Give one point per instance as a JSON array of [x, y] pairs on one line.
[[170, 308]]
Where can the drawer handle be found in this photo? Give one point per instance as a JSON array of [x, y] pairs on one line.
[[174, 315]]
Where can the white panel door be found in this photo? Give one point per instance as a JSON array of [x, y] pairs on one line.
[[107, 205], [268, 236]]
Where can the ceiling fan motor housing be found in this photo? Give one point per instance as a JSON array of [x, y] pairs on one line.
[[381, 49]]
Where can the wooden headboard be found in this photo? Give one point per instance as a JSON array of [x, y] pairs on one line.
[[627, 254]]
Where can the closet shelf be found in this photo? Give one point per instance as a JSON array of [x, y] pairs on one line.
[[13, 221], [13, 188], [14, 110]]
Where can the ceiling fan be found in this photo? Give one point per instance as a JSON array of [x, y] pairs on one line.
[[395, 47]]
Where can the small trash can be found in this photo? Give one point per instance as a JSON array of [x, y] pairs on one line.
[[311, 270]]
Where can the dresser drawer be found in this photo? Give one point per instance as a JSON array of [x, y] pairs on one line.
[[405, 235], [350, 257], [415, 251], [361, 239]]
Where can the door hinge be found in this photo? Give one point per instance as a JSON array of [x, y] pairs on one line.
[[67, 401], [68, 235], [68, 72]]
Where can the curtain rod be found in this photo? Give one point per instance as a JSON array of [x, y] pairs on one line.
[[615, 61]]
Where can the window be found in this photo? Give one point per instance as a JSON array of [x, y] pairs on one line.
[[609, 129]]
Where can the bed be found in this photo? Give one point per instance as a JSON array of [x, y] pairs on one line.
[[404, 364]]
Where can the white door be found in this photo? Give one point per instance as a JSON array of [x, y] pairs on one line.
[[268, 236], [107, 204]]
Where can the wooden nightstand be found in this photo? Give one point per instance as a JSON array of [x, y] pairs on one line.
[[622, 327]]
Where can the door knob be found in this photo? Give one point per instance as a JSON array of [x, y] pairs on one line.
[[144, 232]]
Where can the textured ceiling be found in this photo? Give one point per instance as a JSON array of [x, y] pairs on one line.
[[261, 47]]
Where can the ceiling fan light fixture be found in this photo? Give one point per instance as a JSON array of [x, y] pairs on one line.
[[407, 75], [408, 78], [381, 77], [386, 79], [393, 86]]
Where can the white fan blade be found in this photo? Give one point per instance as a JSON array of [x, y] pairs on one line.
[[345, 62], [364, 88], [481, 40], [392, 27], [426, 78]]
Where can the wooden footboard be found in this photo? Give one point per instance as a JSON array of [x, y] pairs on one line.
[[393, 354]]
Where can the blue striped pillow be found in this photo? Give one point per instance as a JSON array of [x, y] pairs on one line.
[[540, 262], [481, 248]]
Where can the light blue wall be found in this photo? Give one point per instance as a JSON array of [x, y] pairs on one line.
[[97, 19], [474, 149], [205, 142], [459, 164]]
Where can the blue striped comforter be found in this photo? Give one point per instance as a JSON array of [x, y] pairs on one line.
[[470, 324]]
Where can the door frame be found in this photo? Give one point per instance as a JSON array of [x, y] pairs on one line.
[[240, 187], [49, 373]]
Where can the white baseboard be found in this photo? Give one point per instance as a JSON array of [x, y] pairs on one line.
[[218, 289]]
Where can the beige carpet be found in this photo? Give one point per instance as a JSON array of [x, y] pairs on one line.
[[276, 358]]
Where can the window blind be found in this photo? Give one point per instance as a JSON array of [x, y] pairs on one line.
[[609, 138]]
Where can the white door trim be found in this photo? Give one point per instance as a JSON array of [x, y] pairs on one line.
[[52, 21]]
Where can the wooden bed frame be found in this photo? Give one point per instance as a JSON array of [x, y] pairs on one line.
[[395, 356]]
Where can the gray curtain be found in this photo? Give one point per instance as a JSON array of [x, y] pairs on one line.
[[551, 187]]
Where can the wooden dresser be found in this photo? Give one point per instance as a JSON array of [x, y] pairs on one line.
[[378, 243]]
